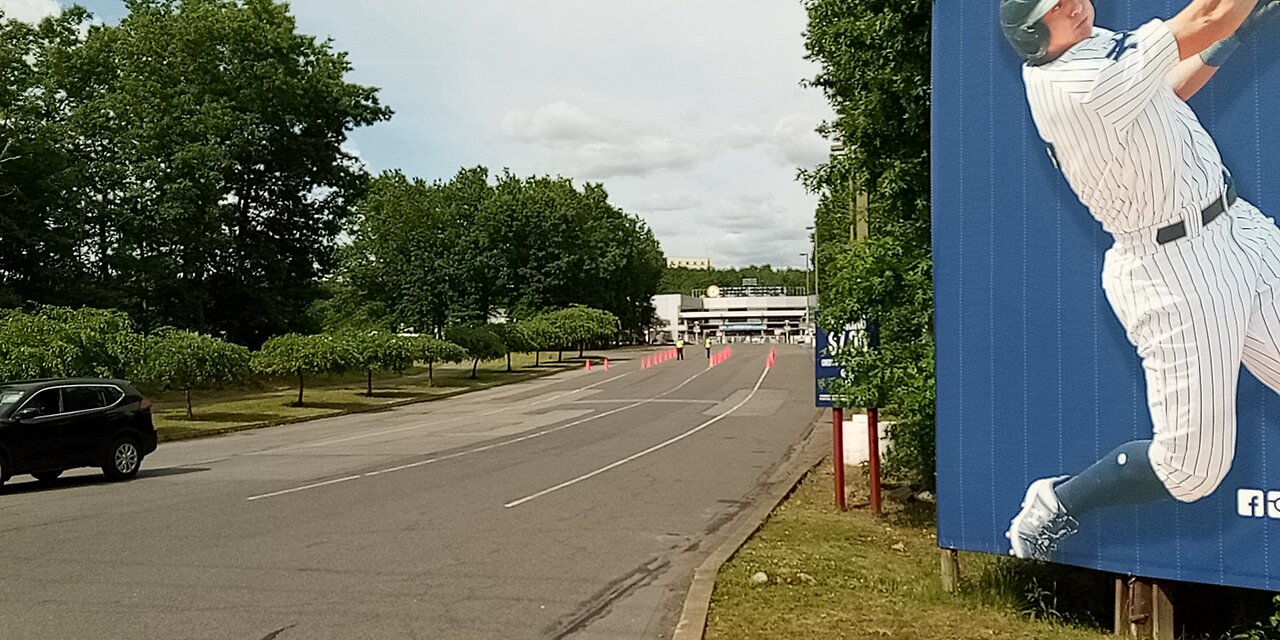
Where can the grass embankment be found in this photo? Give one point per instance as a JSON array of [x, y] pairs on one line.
[[271, 403], [852, 575]]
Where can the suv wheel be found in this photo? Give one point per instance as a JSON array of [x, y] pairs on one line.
[[123, 460], [47, 476]]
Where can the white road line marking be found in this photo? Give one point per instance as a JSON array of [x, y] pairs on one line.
[[304, 488], [504, 443], [621, 400], [384, 432], [663, 444]]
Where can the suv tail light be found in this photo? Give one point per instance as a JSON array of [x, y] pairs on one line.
[[145, 405]]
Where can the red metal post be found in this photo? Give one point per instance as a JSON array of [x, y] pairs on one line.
[[837, 453], [873, 457]]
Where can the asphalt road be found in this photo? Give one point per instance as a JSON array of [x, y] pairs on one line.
[[574, 506]]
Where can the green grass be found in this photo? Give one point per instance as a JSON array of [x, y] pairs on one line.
[[851, 575], [268, 403]]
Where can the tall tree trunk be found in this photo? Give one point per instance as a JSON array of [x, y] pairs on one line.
[[581, 347], [299, 387], [508, 362], [431, 374], [537, 358], [190, 416], [560, 356], [474, 364], [369, 391]]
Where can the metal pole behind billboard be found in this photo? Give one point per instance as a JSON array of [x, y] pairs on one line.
[[873, 430], [873, 457], [837, 453]]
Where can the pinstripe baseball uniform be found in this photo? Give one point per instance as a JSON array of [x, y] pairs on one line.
[[1193, 270]]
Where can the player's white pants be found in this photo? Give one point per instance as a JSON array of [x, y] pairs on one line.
[[1196, 308]]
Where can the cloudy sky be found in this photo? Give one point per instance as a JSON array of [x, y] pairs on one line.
[[689, 111]]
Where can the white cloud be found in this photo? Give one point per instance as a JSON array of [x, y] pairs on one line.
[[595, 149], [558, 123], [669, 201], [793, 141], [31, 11], [797, 139]]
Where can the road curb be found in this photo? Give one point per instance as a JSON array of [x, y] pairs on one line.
[[697, 603]]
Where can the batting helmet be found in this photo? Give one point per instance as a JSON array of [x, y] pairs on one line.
[[1023, 27]]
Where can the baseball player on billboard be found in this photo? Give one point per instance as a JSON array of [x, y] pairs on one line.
[[1193, 273]]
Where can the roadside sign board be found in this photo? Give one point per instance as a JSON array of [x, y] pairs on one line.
[[825, 346]]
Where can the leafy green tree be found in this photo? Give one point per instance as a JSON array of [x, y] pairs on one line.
[[578, 326], [213, 184], [874, 69], [293, 354], [419, 253], [480, 342], [431, 350], [185, 360], [433, 255], [58, 341], [40, 261], [378, 351], [539, 335], [518, 337], [685, 281]]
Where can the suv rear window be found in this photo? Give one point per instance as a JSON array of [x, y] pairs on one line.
[[111, 395], [82, 398]]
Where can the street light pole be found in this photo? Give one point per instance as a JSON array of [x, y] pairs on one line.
[[806, 272], [813, 237]]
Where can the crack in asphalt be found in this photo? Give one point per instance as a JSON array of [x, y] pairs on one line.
[[277, 632], [599, 604]]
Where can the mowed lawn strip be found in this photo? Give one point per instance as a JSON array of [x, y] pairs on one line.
[[235, 409], [851, 575]]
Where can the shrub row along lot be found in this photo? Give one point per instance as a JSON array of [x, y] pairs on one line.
[[55, 342]]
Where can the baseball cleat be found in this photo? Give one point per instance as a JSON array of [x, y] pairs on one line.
[[1041, 524]]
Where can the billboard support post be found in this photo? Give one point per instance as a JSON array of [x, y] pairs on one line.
[[837, 453], [1143, 609], [950, 570], [873, 458]]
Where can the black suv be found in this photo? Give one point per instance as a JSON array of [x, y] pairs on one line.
[[48, 426]]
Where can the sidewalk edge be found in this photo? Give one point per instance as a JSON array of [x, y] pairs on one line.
[[693, 616]]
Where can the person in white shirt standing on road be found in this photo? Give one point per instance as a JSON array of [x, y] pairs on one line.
[[1194, 270]]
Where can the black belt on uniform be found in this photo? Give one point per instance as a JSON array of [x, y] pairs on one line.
[[1215, 209]]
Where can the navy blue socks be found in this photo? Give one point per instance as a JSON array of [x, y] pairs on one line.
[[1121, 477]]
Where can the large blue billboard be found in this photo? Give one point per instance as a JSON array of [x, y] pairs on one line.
[[1095, 430]]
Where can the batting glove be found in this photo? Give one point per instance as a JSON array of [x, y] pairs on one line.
[[1263, 15]]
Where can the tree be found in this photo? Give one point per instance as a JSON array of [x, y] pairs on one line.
[[185, 360], [40, 261], [378, 350], [480, 342], [518, 337], [874, 69], [456, 252], [213, 185], [685, 281], [408, 256], [431, 350], [539, 334], [293, 354], [60, 342], [578, 326]]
